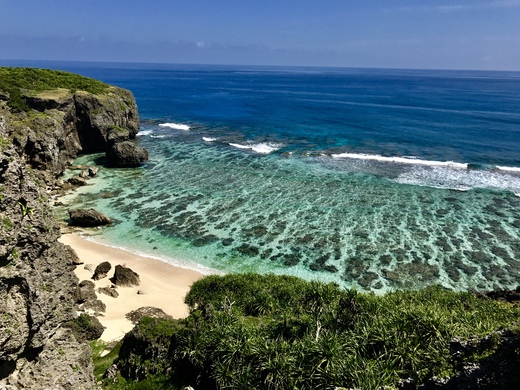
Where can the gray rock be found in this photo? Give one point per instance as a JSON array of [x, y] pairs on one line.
[[85, 292], [37, 289], [146, 311], [111, 372], [111, 292], [125, 277], [126, 155], [102, 270], [88, 218], [77, 181], [92, 171]]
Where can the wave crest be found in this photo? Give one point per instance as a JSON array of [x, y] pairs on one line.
[[176, 126], [402, 160], [261, 148]]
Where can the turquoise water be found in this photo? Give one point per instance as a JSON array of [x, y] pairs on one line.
[[234, 211], [374, 179]]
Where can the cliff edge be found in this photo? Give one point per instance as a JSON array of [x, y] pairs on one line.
[[46, 119]]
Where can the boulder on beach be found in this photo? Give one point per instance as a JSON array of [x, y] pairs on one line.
[[101, 270], [88, 218], [125, 277], [111, 292]]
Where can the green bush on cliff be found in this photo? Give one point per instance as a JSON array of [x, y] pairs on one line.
[[17, 81], [254, 331]]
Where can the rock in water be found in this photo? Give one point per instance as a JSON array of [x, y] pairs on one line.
[[101, 270], [126, 154], [92, 171], [125, 277], [77, 181], [88, 218]]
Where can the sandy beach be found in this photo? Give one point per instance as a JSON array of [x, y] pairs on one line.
[[162, 285]]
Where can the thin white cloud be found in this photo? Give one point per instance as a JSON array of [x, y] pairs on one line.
[[466, 7]]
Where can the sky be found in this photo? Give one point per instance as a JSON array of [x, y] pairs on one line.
[[421, 34]]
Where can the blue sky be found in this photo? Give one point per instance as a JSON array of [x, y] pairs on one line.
[[427, 34]]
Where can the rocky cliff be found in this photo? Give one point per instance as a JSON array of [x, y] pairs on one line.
[[62, 124], [37, 284]]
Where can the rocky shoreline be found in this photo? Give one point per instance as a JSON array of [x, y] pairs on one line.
[[43, 341], [38, 288]]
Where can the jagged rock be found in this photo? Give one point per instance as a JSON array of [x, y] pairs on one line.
[[77, 181], [145, 351], [89, 267], [88, 218], [126, 154], [125, 277], [505, 295], [146, 311], [102, 270], [37, 292], [38, 288], [92, 171], [83, 174], [73, 257], [111, 292], [95, 306], [85, 291], [111, 372], [117, 135]]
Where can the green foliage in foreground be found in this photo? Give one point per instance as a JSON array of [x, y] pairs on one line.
[[18, 81], [277, 332]]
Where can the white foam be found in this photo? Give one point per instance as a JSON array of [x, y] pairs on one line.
[[402, 160], [462, 180], [186, 264], [209, 139], [176, 126], [144, 132], [509, 169], [160, 136], [262, 148]]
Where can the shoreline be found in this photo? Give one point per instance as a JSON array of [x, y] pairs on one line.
[[162, 285]]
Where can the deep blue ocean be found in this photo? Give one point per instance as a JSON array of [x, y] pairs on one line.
[[372, 178]]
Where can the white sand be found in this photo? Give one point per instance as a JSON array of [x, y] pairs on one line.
[[164, 285]]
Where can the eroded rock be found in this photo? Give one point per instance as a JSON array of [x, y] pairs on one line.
[[88, 218], [126, 154], [125, 277], [102, 270]]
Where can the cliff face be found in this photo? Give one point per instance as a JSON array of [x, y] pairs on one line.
[[37, 283], [63, 123]]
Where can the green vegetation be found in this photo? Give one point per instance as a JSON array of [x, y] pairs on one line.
[[4, 143], [278, 332], [21, 81], [85, 327]]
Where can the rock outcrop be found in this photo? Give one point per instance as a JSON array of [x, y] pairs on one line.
[[41, 346], [102, 270], [88, 218], [37, 287], [126, 155], [125, 277], [64, 123]]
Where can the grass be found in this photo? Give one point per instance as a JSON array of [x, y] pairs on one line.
[[22, 81], [278, 332]]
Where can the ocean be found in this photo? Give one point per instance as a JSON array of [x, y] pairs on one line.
[[376, 179]]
